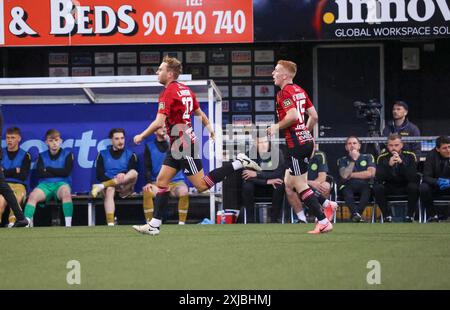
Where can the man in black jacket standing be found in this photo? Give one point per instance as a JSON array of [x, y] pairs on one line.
[[268, 182], [7, 193], [396, 174], [436, 178], [401, 125]]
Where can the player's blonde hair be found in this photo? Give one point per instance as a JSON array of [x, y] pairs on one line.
[[290, 66], [173, 65]]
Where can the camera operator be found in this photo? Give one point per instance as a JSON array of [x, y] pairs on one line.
[[402, 126]]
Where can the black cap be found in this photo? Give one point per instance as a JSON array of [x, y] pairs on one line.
[[402, 104]]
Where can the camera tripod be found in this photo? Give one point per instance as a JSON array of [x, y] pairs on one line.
[[372, 147]]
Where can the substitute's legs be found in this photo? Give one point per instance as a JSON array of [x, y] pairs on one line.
[[20, 192], [110, 206], [2, 207], [11, 200], [126, 187], [65, 196], [36, 196], [181, 191]]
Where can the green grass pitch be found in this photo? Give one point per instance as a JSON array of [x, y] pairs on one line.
[[271, 256]]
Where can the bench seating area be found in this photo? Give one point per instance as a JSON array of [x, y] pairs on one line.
[[87, 207]]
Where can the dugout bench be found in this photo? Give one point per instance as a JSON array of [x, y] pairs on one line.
[[199, 206]]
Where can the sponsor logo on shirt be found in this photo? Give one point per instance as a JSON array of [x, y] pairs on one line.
[[287, 103]]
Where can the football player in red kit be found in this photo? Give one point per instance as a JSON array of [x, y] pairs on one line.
[[292, 104], [176, 104]]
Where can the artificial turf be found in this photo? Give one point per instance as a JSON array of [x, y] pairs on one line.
[[254, 256]]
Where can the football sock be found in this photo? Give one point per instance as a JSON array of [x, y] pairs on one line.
[[11, 218], [183, 205], [310, 200], [319, 196], [29, 210], [161, 199], [109, 183], [217, 175], [67, 209], [324, 221], [68, 212], [148, 206], [301, 216], [110, 218], [155, 222]]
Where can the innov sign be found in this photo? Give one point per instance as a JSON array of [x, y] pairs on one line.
[[386, 11]]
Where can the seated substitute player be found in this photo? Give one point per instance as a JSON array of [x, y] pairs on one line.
[[265, 183], [317, 180], [436, 179], [396, 174], [16, 167], [356, 171], [176, 104], [7, 192], [154, 154], [116, 170], [292, 105], [54, 168]]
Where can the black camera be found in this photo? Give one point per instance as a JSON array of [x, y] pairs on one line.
[[371, 112]]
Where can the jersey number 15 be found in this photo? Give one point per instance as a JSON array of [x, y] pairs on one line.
[[301, 109]]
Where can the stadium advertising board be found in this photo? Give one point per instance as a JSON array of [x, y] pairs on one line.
[[126, 22], [351, 19], [84, 129], [114, 22]]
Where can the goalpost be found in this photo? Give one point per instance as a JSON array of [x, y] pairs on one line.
[[117, 90]]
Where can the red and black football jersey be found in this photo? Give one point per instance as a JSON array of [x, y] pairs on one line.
[[177, 102], [293, 96]]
